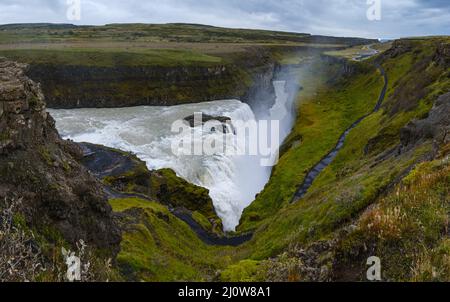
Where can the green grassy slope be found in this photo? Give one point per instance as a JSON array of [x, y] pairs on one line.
[[406, 229], [111, 57], [359, 173], [325, 111], [157, 246]]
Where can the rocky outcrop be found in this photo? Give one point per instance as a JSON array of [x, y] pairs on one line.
[[221, 124], [60, 197], [124, 172], [442, 55], [344, 67], [436, 126], [399, 47], [206, 118]]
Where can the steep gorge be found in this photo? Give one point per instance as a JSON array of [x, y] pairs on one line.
[[363, 204], [119, 83]]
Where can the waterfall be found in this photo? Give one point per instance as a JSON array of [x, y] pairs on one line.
[[233, 180]]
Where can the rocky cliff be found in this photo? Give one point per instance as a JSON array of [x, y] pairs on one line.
[[60, 199], [121, 85], [435, 126]]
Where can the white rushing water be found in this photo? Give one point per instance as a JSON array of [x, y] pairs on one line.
[[233, 181]]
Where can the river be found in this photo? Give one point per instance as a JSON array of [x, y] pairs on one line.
[[233, 180]]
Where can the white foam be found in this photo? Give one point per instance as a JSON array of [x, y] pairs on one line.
[[233, 181]]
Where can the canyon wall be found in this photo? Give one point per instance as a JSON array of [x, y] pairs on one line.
[[81, 86]]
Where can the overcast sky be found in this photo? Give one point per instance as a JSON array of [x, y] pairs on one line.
[[399, 18]]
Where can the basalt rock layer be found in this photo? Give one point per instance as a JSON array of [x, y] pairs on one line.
[[123, 85]]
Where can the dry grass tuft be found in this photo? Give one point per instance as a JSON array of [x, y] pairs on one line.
[[21, 259]]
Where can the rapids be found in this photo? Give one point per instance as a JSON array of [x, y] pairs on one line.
[[233, 180]]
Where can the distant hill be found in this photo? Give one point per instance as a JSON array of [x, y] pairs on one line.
[[172, 32], [36, 25]]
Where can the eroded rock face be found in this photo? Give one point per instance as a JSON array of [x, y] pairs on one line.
[[77, 86], [22, 108], [59, 195], [436, 126], [442, 55], [398, 48]]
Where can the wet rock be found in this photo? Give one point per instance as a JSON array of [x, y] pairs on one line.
[[206, 118], [224, 124]]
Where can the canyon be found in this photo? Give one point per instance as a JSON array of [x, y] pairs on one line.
[[160, 218]]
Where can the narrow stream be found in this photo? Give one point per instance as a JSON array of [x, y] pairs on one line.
[[328, 159]]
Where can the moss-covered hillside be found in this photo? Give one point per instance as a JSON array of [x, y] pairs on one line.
[[377, 156]]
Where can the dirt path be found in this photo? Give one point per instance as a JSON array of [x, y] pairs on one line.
[[328, 159]]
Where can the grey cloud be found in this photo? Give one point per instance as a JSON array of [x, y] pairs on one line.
[[328, 17]]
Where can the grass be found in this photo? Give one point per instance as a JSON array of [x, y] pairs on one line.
[[348, 53], [244, 271], [148, 44], [111, 57], [166, 187], [154, 33], [351, 52], [121, 205], [157, 246], [355, 178], [324, 113], [406, 228]]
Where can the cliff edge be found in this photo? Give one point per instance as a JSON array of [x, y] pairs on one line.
[[58, 194]]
